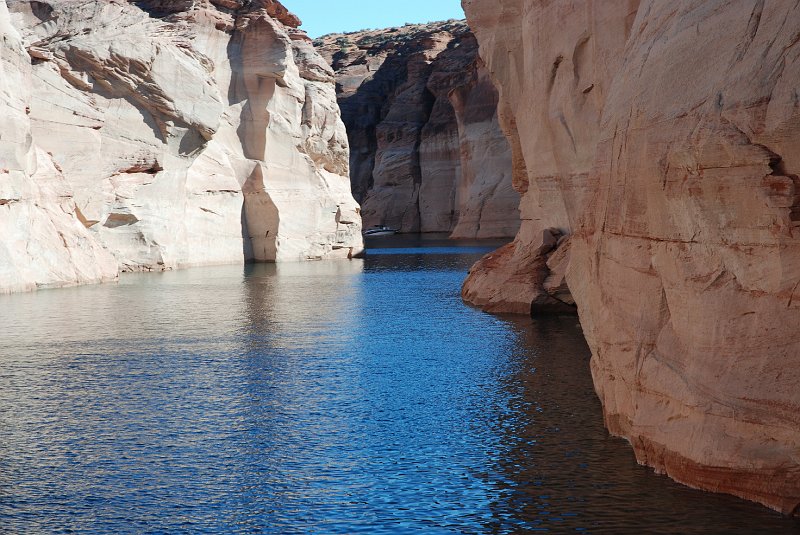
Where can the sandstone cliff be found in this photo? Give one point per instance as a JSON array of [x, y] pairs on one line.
[[656, 145], [162, 134], [427, 153]]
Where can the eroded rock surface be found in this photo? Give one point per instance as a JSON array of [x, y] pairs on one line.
[[427, 153], [551, 102], [660, 141], [163, 134]]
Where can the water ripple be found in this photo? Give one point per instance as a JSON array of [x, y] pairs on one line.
[[341, 397]]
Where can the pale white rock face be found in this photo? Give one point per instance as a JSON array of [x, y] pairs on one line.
[[42, 242], [183, 133]]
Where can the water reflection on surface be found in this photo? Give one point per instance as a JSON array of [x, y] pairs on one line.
[[335, 397]]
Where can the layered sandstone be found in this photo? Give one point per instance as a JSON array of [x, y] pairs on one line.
[[427, 153], [163, 134], [656, 144]]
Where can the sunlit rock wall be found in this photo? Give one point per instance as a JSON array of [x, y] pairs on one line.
[[658, 145], [162, 134]]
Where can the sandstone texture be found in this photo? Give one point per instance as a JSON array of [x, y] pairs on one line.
[[162, 134], [657, 146], [427, 152]]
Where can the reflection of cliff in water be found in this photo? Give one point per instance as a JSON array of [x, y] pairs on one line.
[[299, 305], [301, 321], [557, 467]]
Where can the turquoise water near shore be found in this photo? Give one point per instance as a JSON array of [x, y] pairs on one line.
[[339, 397]]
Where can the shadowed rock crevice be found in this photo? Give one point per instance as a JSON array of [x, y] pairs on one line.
[[427, 102], [261, 219], [41, 10], [778, 166], [119, 220], [163, 8], [363, 111], [150, 168]]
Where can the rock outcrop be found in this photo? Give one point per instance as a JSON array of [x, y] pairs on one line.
[[161, 134], [427, 153], [657, 146]]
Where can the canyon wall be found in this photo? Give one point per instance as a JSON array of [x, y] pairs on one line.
[[427, 152], [656, 145], [154, 135]]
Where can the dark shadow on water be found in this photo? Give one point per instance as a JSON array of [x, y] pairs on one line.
[[560, 470]]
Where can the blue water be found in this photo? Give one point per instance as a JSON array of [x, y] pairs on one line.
[[338, 397]]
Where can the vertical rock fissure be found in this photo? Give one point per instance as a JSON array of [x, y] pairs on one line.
[[778, 167], [428, 100], [261, 220]]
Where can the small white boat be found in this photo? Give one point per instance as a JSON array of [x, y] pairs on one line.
[[378, 230]]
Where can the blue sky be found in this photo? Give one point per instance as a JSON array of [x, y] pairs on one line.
[[328, 16]]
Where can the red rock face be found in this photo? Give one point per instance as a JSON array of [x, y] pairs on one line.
[[676, 181], [550, 106], [427, 153]]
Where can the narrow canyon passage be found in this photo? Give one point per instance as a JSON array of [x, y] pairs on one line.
[[643, 155], [337, 397]]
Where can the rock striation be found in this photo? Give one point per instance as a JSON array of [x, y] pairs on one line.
[[154, 135], [427, 152], [656, 145]]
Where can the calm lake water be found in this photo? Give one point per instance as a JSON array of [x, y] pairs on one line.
[[339, 397]]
